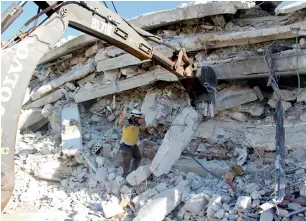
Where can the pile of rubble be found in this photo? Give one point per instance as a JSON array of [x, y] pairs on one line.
[[66, 165]]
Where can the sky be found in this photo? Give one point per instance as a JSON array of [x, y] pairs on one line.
[[127, 9]]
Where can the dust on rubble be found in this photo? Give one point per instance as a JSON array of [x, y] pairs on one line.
[[52, 185]]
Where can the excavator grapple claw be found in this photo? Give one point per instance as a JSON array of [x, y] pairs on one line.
[[205, 81]]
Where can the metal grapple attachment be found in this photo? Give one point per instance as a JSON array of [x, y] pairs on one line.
[[204, 81]]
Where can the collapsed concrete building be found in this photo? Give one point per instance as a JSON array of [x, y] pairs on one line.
[[69, 133]]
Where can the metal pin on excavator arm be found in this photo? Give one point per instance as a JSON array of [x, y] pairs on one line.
[[21, 55]]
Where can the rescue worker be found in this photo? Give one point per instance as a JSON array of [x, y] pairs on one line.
[[131, 129]]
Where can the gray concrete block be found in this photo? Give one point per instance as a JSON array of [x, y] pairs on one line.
[[71, 130], [176, 139], [48, 99]]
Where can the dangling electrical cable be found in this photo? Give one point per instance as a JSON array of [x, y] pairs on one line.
[[114, 7]]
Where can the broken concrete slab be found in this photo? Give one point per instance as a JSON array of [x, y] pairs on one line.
[[137, 81], [46, 111], [55, 121], [234, 96], [264, 136], [238, 116], [139, 175], [72, 45], [111, 76], [146, 109], [35, 127], [71, 130], [161, 204], [29, 117], [266, 215], [167, 17], [48, 99], [52, 170], [284, 64], [93, 50], [88, 78], [75, 74], [289, 6], [118, 62], [286, 95], [175, 141], [146, 22], [286, 105], [216, 131], [201, 41], [301, 96], [188, 165], [196, 203], [111, 207], [250, 135]]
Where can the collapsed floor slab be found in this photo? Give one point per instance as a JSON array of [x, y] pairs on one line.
[[138, 81], [167, 17], [175, 141], [75, 74], [200, 41]]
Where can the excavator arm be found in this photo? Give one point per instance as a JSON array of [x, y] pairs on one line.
[[20, 60]]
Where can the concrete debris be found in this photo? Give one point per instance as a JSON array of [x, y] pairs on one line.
[[266, 215], [282, 213], [75, 74], [301, 97], [239, 116], [233, 96], [138, 176], [286, 95], [46, 111], [50, 98], [167, 17], [29, 117], [243, 203], [111, 207], [71, 130], [258, 93], [161, 204], [196, 203], [93, 50], [286, 105], [220, 214], [175, 141], [289, 6], [303, 189], [294, 206], [134, 82], [55, 121], [52, 170], [75, 146]]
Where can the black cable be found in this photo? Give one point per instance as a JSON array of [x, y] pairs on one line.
[[210, 172], [114, 7], [105, 4]]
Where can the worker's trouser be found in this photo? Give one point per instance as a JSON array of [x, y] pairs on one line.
[[127, 154]]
